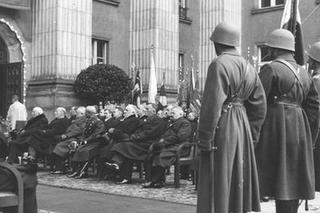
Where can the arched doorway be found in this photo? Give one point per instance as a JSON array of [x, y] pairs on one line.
[[10, 69]]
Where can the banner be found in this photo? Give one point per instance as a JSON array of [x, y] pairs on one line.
[[163, 94], [291, 21], [152, 80], [137, 89], [16, 4]]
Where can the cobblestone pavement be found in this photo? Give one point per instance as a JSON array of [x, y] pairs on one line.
[[186, 194]]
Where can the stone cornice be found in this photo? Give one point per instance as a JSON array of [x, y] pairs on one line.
[[50, 82], [266, 9], [110, 2], [185, 21]]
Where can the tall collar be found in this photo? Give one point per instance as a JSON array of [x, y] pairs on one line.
[[287, 57], [230, 52]]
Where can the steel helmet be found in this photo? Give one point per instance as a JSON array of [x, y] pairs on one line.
[[226, 34], [314, 51], [282, 39]]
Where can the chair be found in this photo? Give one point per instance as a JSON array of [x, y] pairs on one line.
[[189, 159], [12, 199], [20, 125]]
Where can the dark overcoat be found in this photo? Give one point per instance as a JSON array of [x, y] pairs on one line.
[[125, 128], [137, 148], [177, 132], [44, 141], [316, 151], [73, 133], [93, 129], [284, 152], [122, 131], [232, 112], [33, 125]]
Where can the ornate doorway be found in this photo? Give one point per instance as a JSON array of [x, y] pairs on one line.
[[10, 79]]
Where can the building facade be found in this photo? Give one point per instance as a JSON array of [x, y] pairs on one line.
[[44, 44]]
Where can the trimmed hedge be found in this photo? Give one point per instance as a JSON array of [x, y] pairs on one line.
[[103, 82]]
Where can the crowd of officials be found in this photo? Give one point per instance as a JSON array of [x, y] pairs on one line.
[[116, 137], [258, 132]]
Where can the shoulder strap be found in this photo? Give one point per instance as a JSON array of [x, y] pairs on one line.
[[294, 71]]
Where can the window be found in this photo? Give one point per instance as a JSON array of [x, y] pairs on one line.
[[181, 60], [100, 51], [263, 55], [183, 9], [270, 3], [181, 66]]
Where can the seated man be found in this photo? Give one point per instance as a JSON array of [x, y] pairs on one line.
[[43, 141], [94, 128], [122, 131], [164, 151], [149, 131], [73, 133], [37, 122]]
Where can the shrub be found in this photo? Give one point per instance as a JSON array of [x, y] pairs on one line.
[[103, 82]]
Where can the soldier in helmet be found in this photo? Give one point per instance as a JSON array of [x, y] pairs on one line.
[[284, 152], [232, 112], [314, 68]]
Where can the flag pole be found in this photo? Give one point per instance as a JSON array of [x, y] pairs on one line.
[[294, 17]]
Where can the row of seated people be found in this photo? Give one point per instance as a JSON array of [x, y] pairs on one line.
[[121, 137]]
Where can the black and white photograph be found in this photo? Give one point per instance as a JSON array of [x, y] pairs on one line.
[[159, 106]]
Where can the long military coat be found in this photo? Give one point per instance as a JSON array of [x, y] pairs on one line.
[[94, 128], [284, 152], [232, 112], [73, 133], [316, 151]]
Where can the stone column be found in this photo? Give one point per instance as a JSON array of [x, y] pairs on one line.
[[155, 22], [212, 12], [61, 47]]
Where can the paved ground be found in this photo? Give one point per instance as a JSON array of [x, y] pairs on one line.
[[105, 195], [61, 200]]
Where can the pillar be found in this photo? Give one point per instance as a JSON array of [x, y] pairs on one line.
[[61, 48], [212, 12], [155, 22]]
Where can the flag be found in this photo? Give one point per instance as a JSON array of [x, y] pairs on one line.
[[152, 81], [291, 21], [137, 89], [193, 98], [163, 94]]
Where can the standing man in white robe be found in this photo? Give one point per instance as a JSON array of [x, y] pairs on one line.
[[17, 112]]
